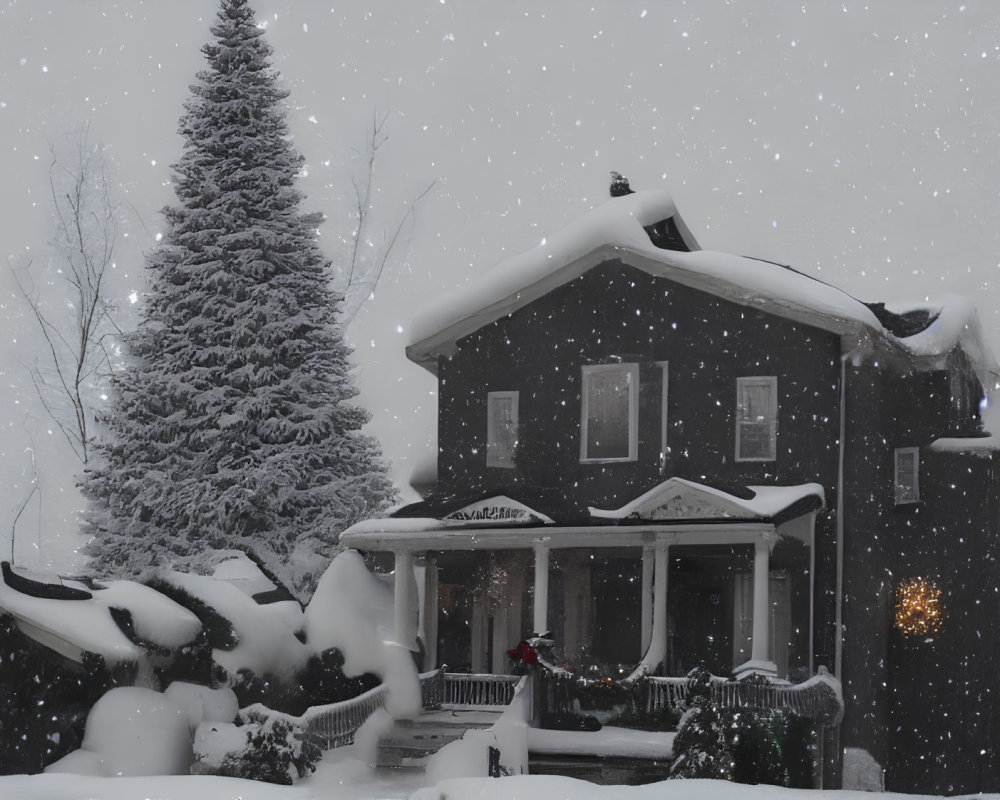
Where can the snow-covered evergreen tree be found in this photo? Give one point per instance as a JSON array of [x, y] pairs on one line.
[[234, 427], [701, 749]]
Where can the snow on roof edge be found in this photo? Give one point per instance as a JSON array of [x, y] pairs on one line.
[[614, 229]]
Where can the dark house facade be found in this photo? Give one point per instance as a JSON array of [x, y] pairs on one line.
[[661, 456]]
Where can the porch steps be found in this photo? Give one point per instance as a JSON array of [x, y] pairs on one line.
[[411, 742], [605, 771]]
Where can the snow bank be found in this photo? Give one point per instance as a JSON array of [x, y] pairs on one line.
[[469, 756], [132, 731], [202, 704], [267, 642], [352, 611]]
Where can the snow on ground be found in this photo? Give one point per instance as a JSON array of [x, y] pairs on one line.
[[394, 786]]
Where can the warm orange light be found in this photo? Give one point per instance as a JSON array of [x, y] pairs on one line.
[[919, 609]]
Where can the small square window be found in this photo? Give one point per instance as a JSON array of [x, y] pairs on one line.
[[501, 429], [907, 475], [756, 418], [609, 413]]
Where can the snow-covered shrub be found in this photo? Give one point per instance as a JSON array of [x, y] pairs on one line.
[[44, 700], [701, 747], [133, 731], [320, 682], [269, 749]]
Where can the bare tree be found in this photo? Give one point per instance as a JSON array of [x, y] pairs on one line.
[[75, 338], [364, 273]]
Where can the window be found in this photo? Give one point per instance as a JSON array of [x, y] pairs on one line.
[[610, 407], [907, 475], [501, 429], [756, 418]]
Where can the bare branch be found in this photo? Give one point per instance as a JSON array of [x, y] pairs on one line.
[[86, 221], [359, 280]]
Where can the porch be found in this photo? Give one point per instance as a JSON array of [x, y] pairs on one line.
[[684, 575]]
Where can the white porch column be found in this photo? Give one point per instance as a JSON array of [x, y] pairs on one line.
[[647, 597], [541, 623], [404, 606], [427, 623], [760, 650], [656, 653]]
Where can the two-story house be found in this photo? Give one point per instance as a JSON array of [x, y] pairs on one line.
[[659, 456]]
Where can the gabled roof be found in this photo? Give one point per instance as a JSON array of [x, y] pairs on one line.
[[617, 230], [677, 499], [620, 229]]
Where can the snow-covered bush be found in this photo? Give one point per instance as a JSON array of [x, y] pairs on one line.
[[260, 746], [44, 700], [133, 731], [701, 747]]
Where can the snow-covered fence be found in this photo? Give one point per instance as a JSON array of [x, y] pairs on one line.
[[816, 699], [462, 689], [334, 725]]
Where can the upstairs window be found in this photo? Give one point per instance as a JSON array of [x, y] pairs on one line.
[[907, 475], [501, 429], [610, 409], [756, 418]]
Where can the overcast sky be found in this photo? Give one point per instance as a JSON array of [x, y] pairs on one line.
[[857, 142]]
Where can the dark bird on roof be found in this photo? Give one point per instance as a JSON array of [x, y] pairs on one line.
[[619, 185]]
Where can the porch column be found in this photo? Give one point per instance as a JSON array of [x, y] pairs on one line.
[[403, 599], [760, 650], [541, 623], [647, 597], [427, 623]]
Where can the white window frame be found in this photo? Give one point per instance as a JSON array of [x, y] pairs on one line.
[[742, 384], [906, 491], [631, 371], [497, 456]]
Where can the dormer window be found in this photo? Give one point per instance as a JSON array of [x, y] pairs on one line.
[[609, 413], [501, 429], [756, 418]]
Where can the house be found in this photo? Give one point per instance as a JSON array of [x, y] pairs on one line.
[[659, 456]]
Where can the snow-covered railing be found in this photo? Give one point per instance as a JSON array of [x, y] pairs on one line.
[[432, 689], [334, 725], [461, 689], [816, 699]]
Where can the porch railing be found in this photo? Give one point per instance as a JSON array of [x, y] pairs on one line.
[[814, 699], [461, 689], [336, 724]]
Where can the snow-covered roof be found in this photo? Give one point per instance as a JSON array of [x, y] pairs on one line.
[[72, 627], [677, 498], [955, 324], [616, 230]]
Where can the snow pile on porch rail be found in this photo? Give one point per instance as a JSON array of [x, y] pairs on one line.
[[353, 611]]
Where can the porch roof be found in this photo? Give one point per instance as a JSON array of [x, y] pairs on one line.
[[677, 510]]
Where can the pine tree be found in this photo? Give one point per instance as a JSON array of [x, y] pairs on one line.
[[234, 427]]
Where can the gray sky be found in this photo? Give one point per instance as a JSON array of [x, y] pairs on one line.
[[856, 142]]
